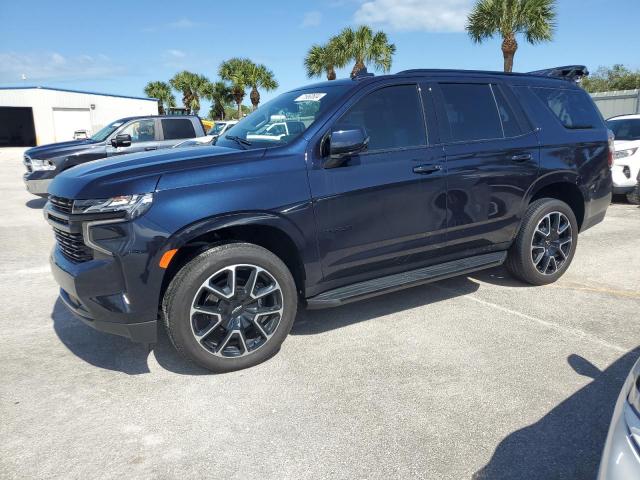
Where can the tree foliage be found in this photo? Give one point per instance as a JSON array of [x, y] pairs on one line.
[[161, 91], [607, 79], [192, 86], [365, 47], [220, 96], [324, 59], [534, 19]]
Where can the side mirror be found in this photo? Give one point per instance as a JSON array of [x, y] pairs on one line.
[[121, 140], [344, 143]]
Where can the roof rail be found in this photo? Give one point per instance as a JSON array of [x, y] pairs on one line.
[[573, 73]]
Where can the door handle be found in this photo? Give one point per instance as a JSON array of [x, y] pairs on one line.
[[521, 158], [150, 148], [426, 169]]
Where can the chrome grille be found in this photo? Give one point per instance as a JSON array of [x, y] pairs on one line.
[[60, 204], [72, 246]]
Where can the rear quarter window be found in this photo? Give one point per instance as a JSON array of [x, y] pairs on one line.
[[572, 108], [175, 129]]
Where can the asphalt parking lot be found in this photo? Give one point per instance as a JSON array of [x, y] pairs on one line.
[[475, 377]]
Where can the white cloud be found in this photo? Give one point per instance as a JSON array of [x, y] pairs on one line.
[[175, 53], [54, 66], [183, 23], [425, 15], [311, 19]]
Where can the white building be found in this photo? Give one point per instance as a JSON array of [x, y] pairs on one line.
[[39, 115]]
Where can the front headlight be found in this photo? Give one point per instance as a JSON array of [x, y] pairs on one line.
[[132, 205], [42, 164], [625, 153]]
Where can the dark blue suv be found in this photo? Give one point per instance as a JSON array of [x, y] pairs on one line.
[[328, 194]]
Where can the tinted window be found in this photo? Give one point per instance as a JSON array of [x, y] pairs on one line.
[[507, 117], [391, 116], [573, 108], [177, 128], [141, 131], [471, 111], [298, 109], [627, 129]]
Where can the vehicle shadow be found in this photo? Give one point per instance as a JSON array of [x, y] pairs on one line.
[[112, 352], [36, 203], [499, 276], [567, 442], [116, 353], [310, 322]]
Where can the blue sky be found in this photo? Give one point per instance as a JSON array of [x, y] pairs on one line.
[[117, 46]]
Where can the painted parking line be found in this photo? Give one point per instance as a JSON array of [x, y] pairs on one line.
[[575, 332]]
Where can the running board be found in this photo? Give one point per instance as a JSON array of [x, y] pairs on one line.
[[398, 281]]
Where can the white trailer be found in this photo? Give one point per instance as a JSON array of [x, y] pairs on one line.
[[32, 116]]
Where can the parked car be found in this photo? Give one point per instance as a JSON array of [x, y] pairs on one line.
[[621, 455], [626, 163], [80, 135], [127, 135], [221, 127], [210, 138], [393, 181]]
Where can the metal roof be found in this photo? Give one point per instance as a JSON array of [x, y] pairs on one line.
[[37, 87]]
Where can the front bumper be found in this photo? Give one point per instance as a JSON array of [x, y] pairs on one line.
[[115, 291], [91, 295], [36, 187], [621, 455]]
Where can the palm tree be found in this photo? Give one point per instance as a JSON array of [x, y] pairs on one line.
[[259, 76], [363, 46], [325, 59], [162, 92], [535, 19], [236, 71], [191, 85], [220, 95]]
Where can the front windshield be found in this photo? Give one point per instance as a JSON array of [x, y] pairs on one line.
[[625, 129], [106, 131], [283, 119], [217, 128]]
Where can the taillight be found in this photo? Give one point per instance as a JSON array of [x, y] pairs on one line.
[[612, 148]]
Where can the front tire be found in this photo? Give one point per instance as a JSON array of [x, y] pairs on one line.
[[230, 307], [545, 244]]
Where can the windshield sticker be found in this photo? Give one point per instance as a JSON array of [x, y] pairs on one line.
[[116, 124], [310, 97]]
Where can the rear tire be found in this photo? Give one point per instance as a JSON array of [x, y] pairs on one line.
[[634, 197], [545, 244], [231, 307]]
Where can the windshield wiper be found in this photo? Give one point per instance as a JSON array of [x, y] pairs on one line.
[[239, 140]]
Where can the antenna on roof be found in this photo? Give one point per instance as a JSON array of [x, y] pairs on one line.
[[362, 73]]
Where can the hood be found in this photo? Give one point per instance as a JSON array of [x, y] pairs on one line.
[[60, 149], [137, 172]]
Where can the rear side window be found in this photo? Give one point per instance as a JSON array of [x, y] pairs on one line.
[[572, 107], [175, 129], [471, 111], [391, 116]]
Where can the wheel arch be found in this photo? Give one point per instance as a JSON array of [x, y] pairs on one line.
[[561, 186], [268, 230]]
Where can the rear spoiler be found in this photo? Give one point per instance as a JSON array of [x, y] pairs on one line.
[[572, 73]]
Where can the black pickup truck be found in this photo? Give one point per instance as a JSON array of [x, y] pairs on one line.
[[127, 135]]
